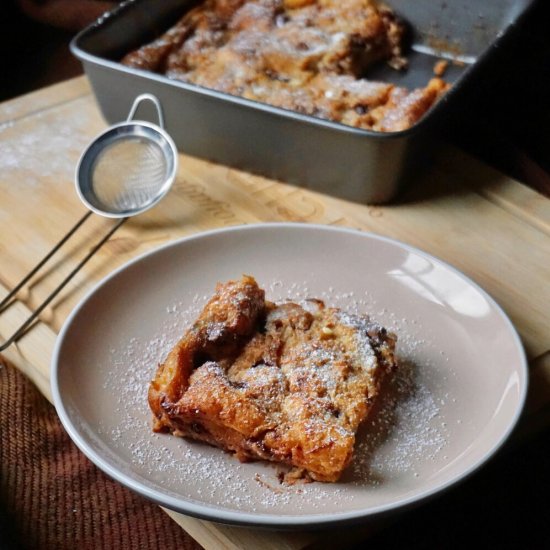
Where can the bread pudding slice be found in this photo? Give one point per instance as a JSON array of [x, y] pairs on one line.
[[288, 382]]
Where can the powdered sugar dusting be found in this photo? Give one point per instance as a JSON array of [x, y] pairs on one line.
[[391, 449], [406, 423], [35, 155]]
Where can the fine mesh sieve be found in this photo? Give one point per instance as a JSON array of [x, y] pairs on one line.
[[124, 171], [129, 168]]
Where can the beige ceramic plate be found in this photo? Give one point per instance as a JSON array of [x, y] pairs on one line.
[[459, 393]]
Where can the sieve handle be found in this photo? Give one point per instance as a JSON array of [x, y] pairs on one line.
[[7, 301], [144, 97]]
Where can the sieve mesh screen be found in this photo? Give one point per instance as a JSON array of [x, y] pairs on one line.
[[129, 174]]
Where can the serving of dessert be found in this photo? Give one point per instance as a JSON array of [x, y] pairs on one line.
[[289, 383], [308, 56]]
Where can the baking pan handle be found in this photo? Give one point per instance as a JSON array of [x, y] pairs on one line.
[[156, 103]]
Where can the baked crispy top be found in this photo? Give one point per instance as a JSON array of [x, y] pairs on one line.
[[289, 383], [309, 56]]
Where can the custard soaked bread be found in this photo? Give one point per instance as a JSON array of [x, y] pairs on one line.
[[283, 382], [309, 56]]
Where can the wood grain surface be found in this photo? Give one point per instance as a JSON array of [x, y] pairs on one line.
[[491, 227]]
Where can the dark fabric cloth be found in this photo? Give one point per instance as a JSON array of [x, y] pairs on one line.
[[52, 496]]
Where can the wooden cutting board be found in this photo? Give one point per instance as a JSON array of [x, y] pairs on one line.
[[492, 228]]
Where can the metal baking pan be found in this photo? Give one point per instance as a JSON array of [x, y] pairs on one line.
[[350, 163]]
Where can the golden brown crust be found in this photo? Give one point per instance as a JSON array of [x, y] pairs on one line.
[[308, 56], [288, 383], [228, 318]]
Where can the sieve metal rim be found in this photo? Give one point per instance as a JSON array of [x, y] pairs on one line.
[[120, 131]]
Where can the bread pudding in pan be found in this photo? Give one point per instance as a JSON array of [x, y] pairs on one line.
[[288, 382], [308, 56]]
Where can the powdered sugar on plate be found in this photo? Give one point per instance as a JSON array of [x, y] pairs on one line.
[[408, 430]]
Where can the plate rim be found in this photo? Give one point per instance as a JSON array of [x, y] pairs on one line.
[[273, 521]]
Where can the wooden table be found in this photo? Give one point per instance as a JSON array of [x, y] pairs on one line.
[[494, 229]]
